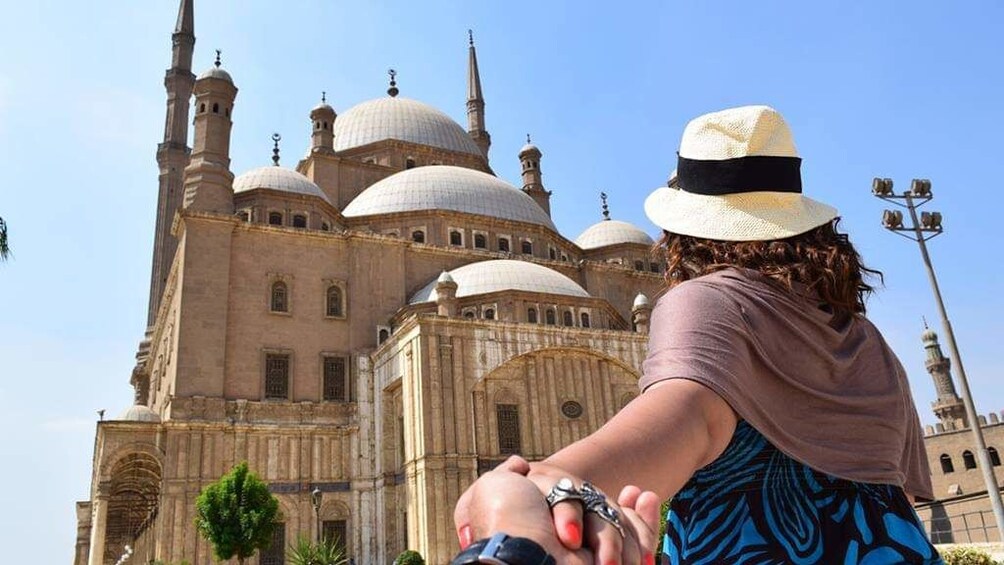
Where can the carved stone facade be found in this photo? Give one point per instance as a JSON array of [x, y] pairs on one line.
[[341, 351]]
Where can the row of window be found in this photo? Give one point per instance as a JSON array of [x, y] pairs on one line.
[[550, 316], [279, 219], [334, 377], [334, 300], [968, 460]]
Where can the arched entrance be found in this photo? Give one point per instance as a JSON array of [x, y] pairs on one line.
[[133, 496]]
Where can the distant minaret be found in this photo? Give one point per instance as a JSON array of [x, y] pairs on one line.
[[208, 180], [173, 153], [533, 183], [948, 408], [475, 101]]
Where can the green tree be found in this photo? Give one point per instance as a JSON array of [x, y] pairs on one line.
[[4, 245], [237, 514], [326, 552], [409, 557]]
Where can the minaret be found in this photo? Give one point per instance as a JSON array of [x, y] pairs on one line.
[[948, 407], [173, 152], [475, 101], [322, 117], [529, 158], [208, 180]]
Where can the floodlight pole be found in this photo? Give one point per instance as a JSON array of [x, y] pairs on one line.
[[919, 231]]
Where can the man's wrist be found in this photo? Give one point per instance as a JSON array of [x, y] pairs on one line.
[[502, 549]]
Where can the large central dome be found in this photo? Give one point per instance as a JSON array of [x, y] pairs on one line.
[[402, 119], [443, 187]]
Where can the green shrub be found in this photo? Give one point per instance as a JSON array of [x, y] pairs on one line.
[[409, 557], [967, 556]]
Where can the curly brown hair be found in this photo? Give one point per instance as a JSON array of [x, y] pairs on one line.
[[823, 259]]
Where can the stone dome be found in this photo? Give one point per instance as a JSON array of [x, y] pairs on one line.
[[612, 232], [504, 274], [929, 336], [278, 178], [217, 72], [402, 119], [529, 148], [641, 301], [444, 187], [139, 413]]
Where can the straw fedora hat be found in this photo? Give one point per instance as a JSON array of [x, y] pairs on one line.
[[737, 179]]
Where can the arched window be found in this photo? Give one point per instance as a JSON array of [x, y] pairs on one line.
[[946, 464], [244, 215], [549, 317], [418, 236], [654, 267], [216, 108], [202, 107], [325, 226], [409, 163], [317, 125], [552, 253], [639, 265], [456, 238], [280, 297], [968, 460], [489, 313], [325, 126], [531, 315], [567, 319], [527, 248], [469, 315], [480, 241], [504, 244], [335, 308], [383, 335], [995, 458], [299, 221], [584, 317], [275, 218]]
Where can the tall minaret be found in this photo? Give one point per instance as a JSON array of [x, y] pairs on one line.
[[948, 407], [173, 152], [475, 101]]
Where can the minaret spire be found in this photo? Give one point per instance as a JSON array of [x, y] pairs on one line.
[[475, 100], [948, 407], [173, 152], [606, 208]]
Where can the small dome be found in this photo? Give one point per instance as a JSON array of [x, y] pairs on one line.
[[443, 187], [445, 278], [217, 72], [278, 178], [641, 301], [322, 107], [139, 413], [929, 336], [529, 148], [612, 232], [402, 119], [504, 274]]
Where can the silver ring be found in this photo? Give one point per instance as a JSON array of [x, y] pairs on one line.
[[563, 490], [596, 502]]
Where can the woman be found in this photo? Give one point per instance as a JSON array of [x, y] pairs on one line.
[[773, 413]]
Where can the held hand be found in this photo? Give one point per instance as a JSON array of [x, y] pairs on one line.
[[504, 500], [638, 519]]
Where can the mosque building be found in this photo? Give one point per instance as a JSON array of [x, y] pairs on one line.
[[369, 329]]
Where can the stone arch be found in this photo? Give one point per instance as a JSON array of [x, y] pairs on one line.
[[538, 383], [334, 509], [125, 450], [133, 497]]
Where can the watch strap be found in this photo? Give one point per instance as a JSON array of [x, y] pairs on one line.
[[502, 549]]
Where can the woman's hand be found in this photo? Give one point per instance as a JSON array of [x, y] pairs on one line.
[[504, 500], [639, 518]]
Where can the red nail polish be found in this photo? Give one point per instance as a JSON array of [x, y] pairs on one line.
[[611, 562], [464, 535], [649, 559], [573, 532]]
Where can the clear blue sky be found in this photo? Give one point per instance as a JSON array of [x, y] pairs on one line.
[[879, 88]]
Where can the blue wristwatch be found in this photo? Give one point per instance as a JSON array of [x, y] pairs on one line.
[[502, 549]]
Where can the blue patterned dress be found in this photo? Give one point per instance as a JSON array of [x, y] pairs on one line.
[[755, 504]]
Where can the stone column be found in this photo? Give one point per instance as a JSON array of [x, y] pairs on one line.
[[99, 519]]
